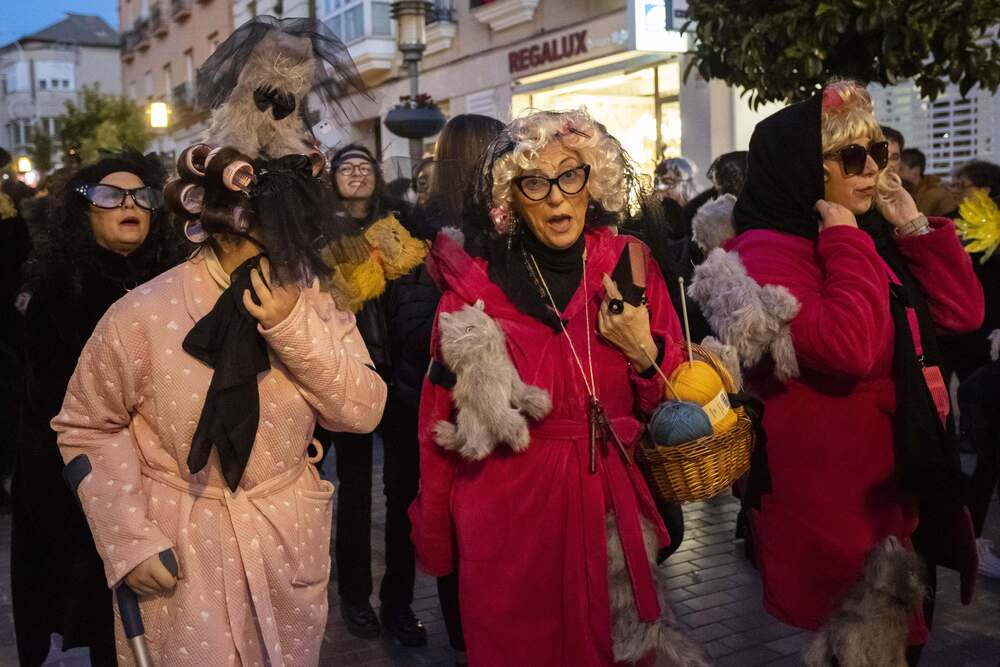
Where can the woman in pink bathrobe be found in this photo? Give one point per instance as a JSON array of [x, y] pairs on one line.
[[253, 556]]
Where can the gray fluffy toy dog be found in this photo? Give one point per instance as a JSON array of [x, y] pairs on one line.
[[488, 393], [633, 639], [871, 626]]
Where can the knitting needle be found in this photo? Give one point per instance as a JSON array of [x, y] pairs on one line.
[[687, 324]]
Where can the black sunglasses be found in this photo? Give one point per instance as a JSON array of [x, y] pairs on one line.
[[111, 196], [853, 158], [570, 182]]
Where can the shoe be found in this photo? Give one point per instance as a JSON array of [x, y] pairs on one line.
[[361, 620], [989, 561], [404, 625]]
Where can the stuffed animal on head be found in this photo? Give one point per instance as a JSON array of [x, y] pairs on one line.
[[488, 393], [872, 624]]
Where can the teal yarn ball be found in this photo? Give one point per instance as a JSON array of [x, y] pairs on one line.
[[676, 422]]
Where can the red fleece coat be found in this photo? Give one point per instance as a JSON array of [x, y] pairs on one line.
[[527, 531], [830, 438]]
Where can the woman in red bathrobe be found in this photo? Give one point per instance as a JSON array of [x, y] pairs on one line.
[[856, 443], [551, 552]]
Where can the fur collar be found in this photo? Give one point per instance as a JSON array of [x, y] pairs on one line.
[[752, 319]]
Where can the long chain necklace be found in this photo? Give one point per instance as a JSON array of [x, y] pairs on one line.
[[596, 417]]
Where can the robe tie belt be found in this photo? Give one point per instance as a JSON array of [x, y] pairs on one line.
[[629, 497], [240, 509]]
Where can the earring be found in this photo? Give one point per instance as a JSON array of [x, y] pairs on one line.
[[515, 230], [194, 232]]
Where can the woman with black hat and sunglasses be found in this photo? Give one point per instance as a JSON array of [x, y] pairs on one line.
[[855, 401], [105, 237]]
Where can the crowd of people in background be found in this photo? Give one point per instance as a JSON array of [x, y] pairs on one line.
[[543, 205]]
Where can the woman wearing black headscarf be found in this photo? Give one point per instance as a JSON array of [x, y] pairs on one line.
[[104, 238], [854, 400]]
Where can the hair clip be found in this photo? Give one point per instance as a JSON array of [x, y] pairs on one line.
[[831, 99], [568, 128]]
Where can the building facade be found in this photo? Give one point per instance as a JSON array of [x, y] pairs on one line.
[[164, 42], [504, 57], [43, 71]]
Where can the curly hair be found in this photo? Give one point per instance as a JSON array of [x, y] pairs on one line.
[[616, 191], [610, 166], [848, 113]]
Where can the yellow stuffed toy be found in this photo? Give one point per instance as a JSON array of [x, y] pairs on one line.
[[979, 226], [388, 251]]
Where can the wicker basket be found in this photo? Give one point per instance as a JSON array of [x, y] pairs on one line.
[[702, 468]]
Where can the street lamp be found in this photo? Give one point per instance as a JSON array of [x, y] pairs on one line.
[[411, 35], [23, 164], [159, 115]]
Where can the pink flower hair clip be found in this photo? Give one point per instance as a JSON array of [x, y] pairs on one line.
[[831, 99], [502, 219], [568, 127]]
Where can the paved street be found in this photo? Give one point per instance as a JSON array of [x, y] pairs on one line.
[[715, 593]]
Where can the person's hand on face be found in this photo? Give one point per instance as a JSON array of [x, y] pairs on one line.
[[355, 178], [124, 228], [276, 301], [557, 219], [834, 215], [855, 192], [898, 208]]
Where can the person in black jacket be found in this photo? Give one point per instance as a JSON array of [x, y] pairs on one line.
[[359, 187], [104, 237], [413, 301]]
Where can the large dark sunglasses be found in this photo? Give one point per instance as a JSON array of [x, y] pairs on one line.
[[853, 158], [570, 182], [111, 196]]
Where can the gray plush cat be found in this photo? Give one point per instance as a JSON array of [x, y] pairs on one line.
[[871, 626], [488, 393]]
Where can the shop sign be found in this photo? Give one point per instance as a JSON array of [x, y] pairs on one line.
[[549, 51], [656, 25]]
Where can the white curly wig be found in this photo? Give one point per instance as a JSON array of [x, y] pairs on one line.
[[610, 166]]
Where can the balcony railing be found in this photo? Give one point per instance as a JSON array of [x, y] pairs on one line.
[[156, 22], [182, 97], [130, 39], [442, 11], [180, 9], [141, 30]]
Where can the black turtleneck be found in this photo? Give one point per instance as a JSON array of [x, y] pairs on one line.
[[562, 268]]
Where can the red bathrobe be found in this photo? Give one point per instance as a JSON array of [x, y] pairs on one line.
[[830, 438], [527, 531]]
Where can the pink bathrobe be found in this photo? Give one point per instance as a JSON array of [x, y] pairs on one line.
[[254, 564]]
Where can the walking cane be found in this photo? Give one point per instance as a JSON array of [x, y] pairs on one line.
[[128, 601], [128, 608]]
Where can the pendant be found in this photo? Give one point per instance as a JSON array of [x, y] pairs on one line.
[[594, 420], [599, 421]]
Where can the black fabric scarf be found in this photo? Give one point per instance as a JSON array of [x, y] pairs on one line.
[[227, 339], [511, 269], [784, 181]]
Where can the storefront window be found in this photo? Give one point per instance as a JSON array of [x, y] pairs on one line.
[[641, 107]]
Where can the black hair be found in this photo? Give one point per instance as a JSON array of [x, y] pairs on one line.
[[982, 174], [66, 239], [914, 157], [892, 134], [729, 172]]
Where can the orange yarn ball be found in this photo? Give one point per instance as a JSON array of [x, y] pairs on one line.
[[699, 383]]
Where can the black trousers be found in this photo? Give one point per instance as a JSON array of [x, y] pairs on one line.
[[352, 542]]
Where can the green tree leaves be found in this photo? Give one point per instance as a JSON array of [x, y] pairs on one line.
[[101, 123], [785, 50]]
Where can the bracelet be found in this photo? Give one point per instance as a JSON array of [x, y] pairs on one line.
[[916, 227]]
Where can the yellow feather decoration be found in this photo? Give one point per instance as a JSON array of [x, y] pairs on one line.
[[979, 226]]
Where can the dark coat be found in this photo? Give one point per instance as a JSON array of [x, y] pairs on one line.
[[57, 576]]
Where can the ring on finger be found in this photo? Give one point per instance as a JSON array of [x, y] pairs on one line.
[[616, 306]]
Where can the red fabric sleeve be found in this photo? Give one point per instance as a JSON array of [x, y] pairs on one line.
[[843, 290], [666, 330], [433, 533], [944, 270]]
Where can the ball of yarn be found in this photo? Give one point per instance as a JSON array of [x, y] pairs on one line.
[[674, 422], [700, 384]]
